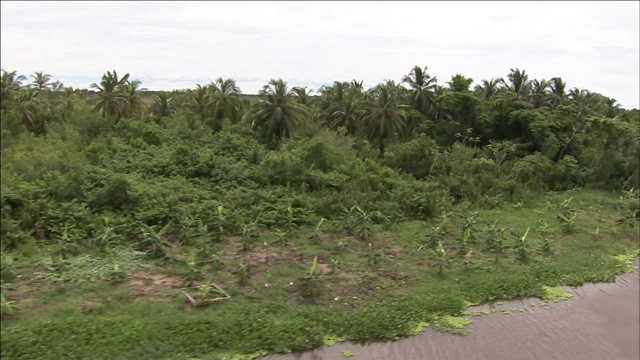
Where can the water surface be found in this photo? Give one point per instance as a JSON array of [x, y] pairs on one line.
[[601, 322]]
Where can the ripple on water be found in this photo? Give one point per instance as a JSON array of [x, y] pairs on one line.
[[601, 322]]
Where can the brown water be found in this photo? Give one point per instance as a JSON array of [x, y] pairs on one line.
[[601, 322]]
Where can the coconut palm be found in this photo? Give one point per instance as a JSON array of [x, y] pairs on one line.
[[112, 100], [489, 88], [57, 86], [558, 91], [225, 93], [66, 103], [201, 102], [41, 81], [385, 118], [518, 84], [133, 96], [276, 113], [440, 109], [10, 84], [162, 105], [302, 95], [539, 93], [348, 116], [422, 87], [332, 97], [28, 106]]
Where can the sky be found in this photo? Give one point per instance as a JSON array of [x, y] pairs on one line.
[[176, 45]]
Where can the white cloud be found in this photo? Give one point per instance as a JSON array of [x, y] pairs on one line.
[[592, 45]]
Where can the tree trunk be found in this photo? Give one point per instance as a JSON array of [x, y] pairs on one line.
[[381, 148]]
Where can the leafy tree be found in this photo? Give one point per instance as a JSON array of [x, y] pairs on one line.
[[459, 83]]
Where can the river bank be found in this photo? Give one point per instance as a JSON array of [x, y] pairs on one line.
[[600, 321]]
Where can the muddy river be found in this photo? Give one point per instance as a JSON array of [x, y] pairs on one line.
[[601, 322]]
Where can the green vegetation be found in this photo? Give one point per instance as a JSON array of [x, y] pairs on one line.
[[351, 214]]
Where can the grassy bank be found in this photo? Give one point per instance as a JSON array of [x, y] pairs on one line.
[[385, 281]]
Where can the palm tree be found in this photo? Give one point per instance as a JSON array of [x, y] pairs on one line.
[[440, 109], [201, 102], [539, 92], [57, 86], [518, 84], [385, 118], [112, 101], [422, 87], [27, 106], [558, 91], [302, 94], [41, 81], [612, 107], [277, 114], [348, 116], [134, 103], [333, 95], [225, 93], [489, 88], [10, 84], [459, 83], [67, 103], [582, 100], [162, 105]]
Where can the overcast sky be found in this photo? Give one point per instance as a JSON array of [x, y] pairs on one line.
[[170, 45]]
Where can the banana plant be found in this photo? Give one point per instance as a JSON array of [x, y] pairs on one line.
[[7, 307], [545, 237], [309, 284], [221, 218], [441, 257], [243, 273], [249, 232], [566, 216], [193, 273], [292, 220], [154, 241], [463, 241], [374, 256], [315, 236], [522, 246], [282, 238], [108, 236], [66, 245], [468, 261]]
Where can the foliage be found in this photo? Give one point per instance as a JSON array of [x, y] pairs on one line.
[[89, 175], [85, 268]]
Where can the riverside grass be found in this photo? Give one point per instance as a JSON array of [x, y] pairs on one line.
[[249, 327]]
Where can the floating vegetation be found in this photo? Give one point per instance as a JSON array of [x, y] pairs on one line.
[[452, 324], [331, 340], [555, 293]]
